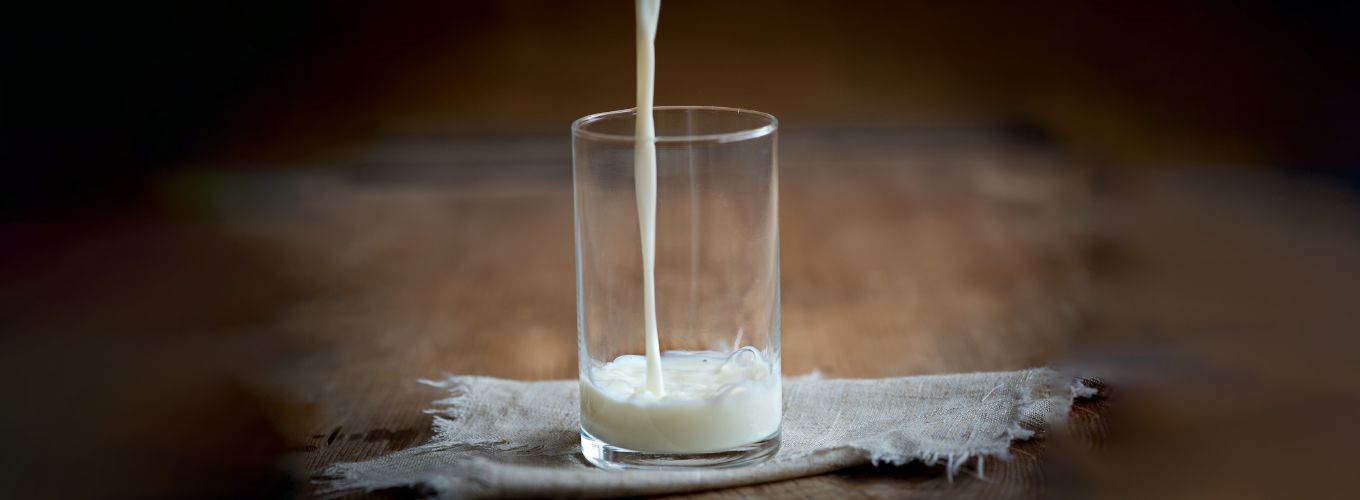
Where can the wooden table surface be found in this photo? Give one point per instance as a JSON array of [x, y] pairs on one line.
[[258, 324], [932, 263]]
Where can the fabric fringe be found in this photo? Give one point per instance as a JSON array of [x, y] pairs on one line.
[[434, 467]]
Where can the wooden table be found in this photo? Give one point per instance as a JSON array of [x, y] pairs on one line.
[[931, 262], [255, 325]]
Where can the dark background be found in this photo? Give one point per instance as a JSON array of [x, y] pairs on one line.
[[100, 97]]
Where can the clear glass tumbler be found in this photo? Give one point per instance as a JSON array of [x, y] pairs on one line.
[[716, 290]]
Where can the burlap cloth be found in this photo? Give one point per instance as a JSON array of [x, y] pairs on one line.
[[504, 438]]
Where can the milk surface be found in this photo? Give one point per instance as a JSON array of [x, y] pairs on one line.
[[714, 401]]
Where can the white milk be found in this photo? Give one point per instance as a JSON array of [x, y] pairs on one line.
[[644, 171], [679, 402], [713, 402]]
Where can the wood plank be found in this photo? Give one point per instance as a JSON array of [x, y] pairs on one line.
[[290, 312], [896, 260]]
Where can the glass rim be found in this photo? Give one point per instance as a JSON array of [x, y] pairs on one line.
[[578, 126]]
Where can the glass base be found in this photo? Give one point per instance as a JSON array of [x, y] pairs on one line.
[[610, 457]]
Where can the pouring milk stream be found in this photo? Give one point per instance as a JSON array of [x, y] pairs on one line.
[[644, 171]]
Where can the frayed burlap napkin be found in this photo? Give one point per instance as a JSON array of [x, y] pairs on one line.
[[503, 438]]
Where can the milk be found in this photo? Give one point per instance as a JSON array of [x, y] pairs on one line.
[[676, 402], [644, 173], [713, 402]]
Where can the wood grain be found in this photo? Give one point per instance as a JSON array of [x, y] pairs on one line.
[[280, 322], [898, 259], [255, 326]]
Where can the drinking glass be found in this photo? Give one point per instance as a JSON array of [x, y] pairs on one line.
[[716, 287]]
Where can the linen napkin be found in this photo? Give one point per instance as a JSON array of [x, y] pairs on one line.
[[504, 438]]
